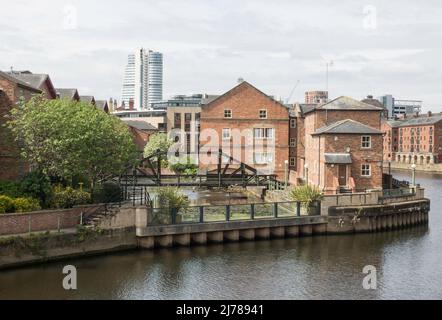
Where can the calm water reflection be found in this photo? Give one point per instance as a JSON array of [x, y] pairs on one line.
[[408, 263]]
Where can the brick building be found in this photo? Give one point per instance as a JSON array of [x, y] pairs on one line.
[[247, 125], [40, 81], [316, 97], [12, 166], [339, 145], [416, 139], [141, 132]]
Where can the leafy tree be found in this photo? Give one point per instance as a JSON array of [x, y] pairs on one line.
[[161, 142], [184, 165], [37, 185], [64, 138]]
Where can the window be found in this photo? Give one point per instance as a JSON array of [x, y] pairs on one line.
[[263, 133], [177, 120], [292, 123], [227, 113], [187, 117], [366, 142], [263, 114], [226, 133], [292, 162], [292, 142], [263, 158], [366, 170]]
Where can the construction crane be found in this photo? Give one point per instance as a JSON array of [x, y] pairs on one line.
[[293, 91]]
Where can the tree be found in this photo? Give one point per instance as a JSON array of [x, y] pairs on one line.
[[65, 138], [158, 142]]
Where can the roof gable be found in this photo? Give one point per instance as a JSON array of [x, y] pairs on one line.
[[347, 126], [236, 90], [19, 82]]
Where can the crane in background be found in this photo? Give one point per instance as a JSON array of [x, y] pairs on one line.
[[292, 92]]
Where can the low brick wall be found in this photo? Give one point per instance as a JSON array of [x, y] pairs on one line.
[[430, 167], [17, 223]]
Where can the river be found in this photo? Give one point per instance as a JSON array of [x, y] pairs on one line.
[[408, 264]]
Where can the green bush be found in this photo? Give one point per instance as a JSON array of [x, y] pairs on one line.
[[11, 189], [183, 166], [107, 192], [307, 194], [69, 197], [37, 185], [6, 204], [26, 204]]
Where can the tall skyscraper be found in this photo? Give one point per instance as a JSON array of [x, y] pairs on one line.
[[143, 79]]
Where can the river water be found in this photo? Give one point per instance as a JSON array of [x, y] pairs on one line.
[[408, 263]]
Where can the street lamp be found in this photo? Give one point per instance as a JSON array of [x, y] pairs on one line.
[[306, 173], [413, 168], [286, 175]]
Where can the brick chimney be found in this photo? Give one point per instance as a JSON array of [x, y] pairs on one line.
[[429, 113], [131, 104]]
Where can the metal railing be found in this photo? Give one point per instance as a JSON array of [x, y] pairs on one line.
[[232, 212], [394, 193]]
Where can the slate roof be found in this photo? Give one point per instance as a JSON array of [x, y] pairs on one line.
[[140, 125], [347, 126], [338, 158], [306, 108], [66, 93], [347, 103], [101, 104], [208, 98], [19, 82], [421, 120], [34, 80], [88, 99]]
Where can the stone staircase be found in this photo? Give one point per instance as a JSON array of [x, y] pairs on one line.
[[107, 211]]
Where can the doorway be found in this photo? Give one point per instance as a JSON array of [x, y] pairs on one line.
[[342, 175]]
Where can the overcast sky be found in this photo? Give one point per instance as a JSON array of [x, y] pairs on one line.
[[377, 47]]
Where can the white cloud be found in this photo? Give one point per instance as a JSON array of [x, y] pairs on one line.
[[208, 44]]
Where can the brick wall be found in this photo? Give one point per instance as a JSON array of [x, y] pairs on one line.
[[17, 223], [245, 101]]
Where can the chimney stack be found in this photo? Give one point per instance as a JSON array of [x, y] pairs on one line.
[[429, 113], [131, 104]]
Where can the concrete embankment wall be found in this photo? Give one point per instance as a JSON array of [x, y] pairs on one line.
[[24, 250]]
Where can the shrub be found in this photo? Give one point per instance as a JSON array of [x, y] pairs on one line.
[[69, 197], [183, 166], [107, 192], [6, 204], [11, 189], [26, 204], [307, 194], [170, 197], [37, 185]]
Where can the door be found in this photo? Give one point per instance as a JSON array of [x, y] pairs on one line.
[[342, 172]]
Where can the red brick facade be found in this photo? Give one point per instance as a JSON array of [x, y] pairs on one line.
[[248, 112], [12, 166]]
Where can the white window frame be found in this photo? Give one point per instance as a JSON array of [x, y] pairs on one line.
[[228, 111], [364, 168], [292, 161], [293, 123], [262, 157], [292, 142], [265, 114], [364, 142], [225, 137], [263, 133]]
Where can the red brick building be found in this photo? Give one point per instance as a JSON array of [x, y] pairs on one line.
[[416, 139], [141, 132], [40, 81], [341, 147], [12, 166], [247, 125]]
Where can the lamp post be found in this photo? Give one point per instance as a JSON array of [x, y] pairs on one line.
[[306, 173], [389, 175], [413, 168], [286, 173]]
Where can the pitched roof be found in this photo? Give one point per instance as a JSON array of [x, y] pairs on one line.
[[66, 93], [340, 158], [19, 82], [421, 120], [34, 80], [88, 99], [347, 126], [208, 98], [101, 104], [242, 84], [140, 125], [347, 103]]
